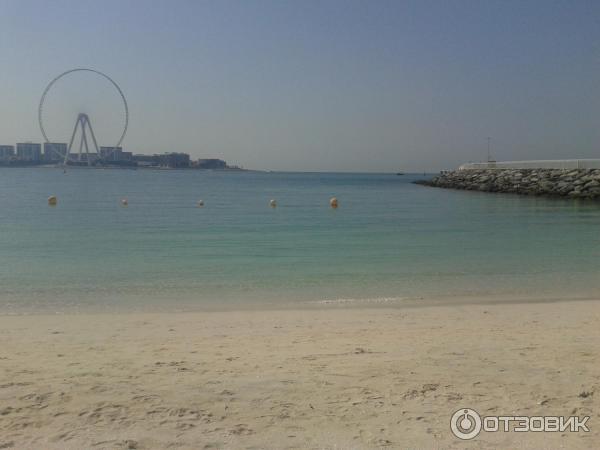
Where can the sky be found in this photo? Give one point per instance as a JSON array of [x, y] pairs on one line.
[[372, 85]]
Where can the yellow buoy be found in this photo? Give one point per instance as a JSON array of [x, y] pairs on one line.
[[200, 203], [273, 203], [333, 202], [124, 202], [52, 200]]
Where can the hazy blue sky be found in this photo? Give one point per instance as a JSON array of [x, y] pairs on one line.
[[321, 85]]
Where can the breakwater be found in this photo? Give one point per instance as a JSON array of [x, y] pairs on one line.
[[575, 183]]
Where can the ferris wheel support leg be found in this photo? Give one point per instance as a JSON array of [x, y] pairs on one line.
[[87, 149], [71, 143], [94, 138], [81, 144]]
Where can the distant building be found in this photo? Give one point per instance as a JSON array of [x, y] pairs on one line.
[[28, 151], [174, 160], [115, 154], [7, 152], [147, 160], [110, 153], [54, 151], [74, 157], [210, 163]]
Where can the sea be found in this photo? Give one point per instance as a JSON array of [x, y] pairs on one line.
[[389, 243]]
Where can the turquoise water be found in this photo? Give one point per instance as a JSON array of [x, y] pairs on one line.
[[389, 241]]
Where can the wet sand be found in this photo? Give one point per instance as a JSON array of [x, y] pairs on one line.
[[319, 378]]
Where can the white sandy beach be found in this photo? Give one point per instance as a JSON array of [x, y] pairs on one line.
[[331, 378]]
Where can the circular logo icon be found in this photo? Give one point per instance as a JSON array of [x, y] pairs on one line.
[[465, 423]]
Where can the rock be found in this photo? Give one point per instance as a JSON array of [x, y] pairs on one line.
[[580, 183]]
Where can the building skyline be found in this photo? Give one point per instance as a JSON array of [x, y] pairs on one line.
[[30, 153]]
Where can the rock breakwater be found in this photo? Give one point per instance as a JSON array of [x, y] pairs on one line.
[[575, 183]]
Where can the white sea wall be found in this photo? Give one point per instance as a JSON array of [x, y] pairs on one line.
[[539, 164]]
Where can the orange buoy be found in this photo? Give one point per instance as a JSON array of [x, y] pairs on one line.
[[333, 202]]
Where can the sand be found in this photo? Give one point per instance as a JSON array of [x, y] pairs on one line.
[[316, 378]]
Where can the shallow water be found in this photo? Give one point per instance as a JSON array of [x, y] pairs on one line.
[[388, 241]]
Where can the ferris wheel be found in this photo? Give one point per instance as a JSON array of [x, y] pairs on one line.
[[84, 150]]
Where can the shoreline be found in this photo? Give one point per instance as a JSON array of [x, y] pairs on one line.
[[318, 378], [341, 304]]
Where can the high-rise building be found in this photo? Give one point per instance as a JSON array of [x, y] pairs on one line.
[[7, 152], [54, 151], [28, 151]]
